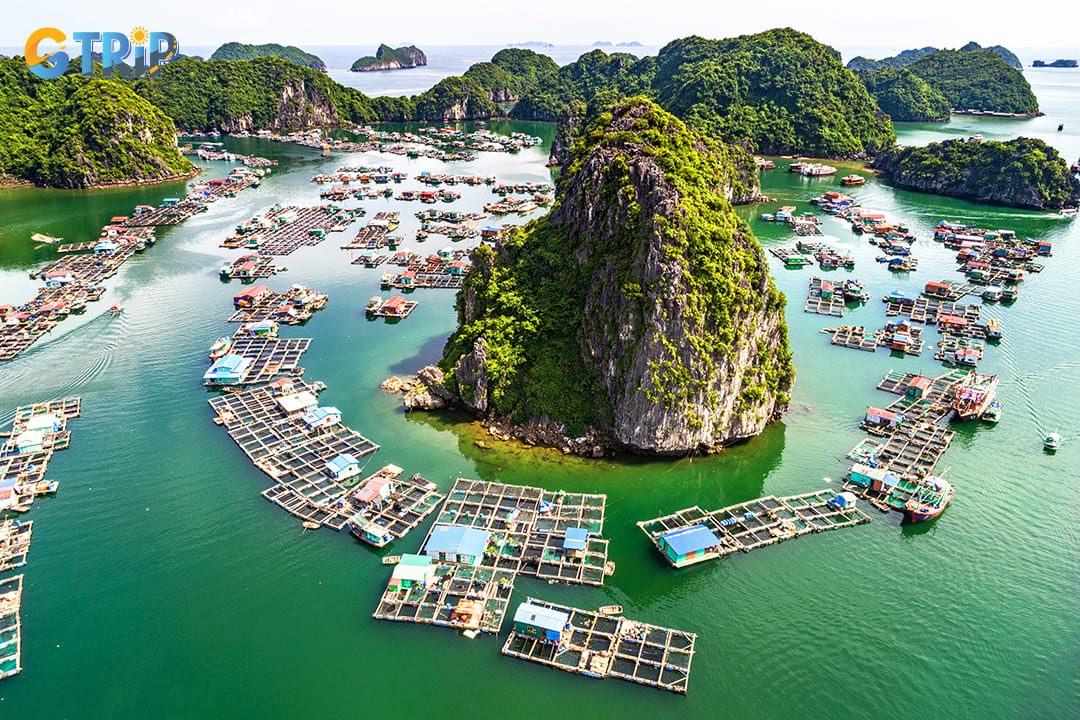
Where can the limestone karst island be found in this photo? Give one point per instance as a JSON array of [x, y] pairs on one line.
[[387, 360]]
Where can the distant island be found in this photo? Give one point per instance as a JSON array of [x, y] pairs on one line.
[[632, 43], [388, 58], [603, 43], [1059, 63], [239, 51], [533, 43], [907, 57], [1021, 173]]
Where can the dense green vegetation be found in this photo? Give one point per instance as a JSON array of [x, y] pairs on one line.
[[906, 97], [239, 51], [388, 58], [780, 90], [907, 57], [268, 92], [1024, 172], [510, 73], [543, 302], [595, 72], [976, 80], [77, 132]]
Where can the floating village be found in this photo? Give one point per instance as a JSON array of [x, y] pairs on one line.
[[484, 535]]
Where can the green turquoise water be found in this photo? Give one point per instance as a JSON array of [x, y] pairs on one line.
[[160, 584]]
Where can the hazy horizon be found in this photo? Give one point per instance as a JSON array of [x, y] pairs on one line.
[[324, 23]]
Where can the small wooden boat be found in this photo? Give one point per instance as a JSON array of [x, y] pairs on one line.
[[391, 560], [610, 610], [220, 348], [471, 634], [373, 304], [1052, 441], [46, 487], [386, 279], [852, 180], [311, 525], [47, 239]]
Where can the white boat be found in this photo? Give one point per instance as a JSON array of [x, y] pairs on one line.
[[1067, 212], [47, 239], [1052, 441]]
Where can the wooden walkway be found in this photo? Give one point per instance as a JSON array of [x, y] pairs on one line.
[[603, 646], [756, 523]]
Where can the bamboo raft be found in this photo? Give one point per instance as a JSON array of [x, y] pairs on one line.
[[815, 303], [601, 646], [756, 523], [10, 626]]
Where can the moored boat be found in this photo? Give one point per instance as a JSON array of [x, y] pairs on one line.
[[852, 180], [387, 279], [373, 304], [610, 610], [992, 413], [934, 496], [220, 348], [974, 395]]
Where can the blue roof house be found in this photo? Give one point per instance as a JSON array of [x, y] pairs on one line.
[[543, 623], [322, 417], [574, 541], [457, 544], [689, 545], [343, 467], [227, 370]]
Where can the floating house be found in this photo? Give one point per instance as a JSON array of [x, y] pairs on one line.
[[574, 541], [227, 370], [374, 490], [46, 422], [457, 544], [30, 441], [413, 572], [876, 418], [8, 497], [250, 296], [283, 386], [954, 323], [370, 532], [342, 467], [58, 278], [918, 386], [843, 501], [297, 403], [105, 247], [542, 623], [322, 417], [688, 545], [874, 478]]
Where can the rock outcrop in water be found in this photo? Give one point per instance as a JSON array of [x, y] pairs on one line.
[[388, 58], [638, 315], [1021, 173]]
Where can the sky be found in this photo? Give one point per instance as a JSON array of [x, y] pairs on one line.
[[366, 23]]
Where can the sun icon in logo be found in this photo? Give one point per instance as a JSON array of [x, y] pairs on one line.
[[139, 36]]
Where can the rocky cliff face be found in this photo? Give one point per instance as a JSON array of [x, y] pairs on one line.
[[1021, 173], [639, 314], [298, 106]]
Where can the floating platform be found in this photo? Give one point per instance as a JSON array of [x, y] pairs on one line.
[[15, 539], [308, 226], [601, 646], [10, 626], [291, 452], [930, 311], [459, 596], [815, 303], [269, 357], [407, 503], [933, 405], [748, 525], [913, 450], [854, 337]]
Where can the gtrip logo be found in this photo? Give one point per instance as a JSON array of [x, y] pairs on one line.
[[114, 48]]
